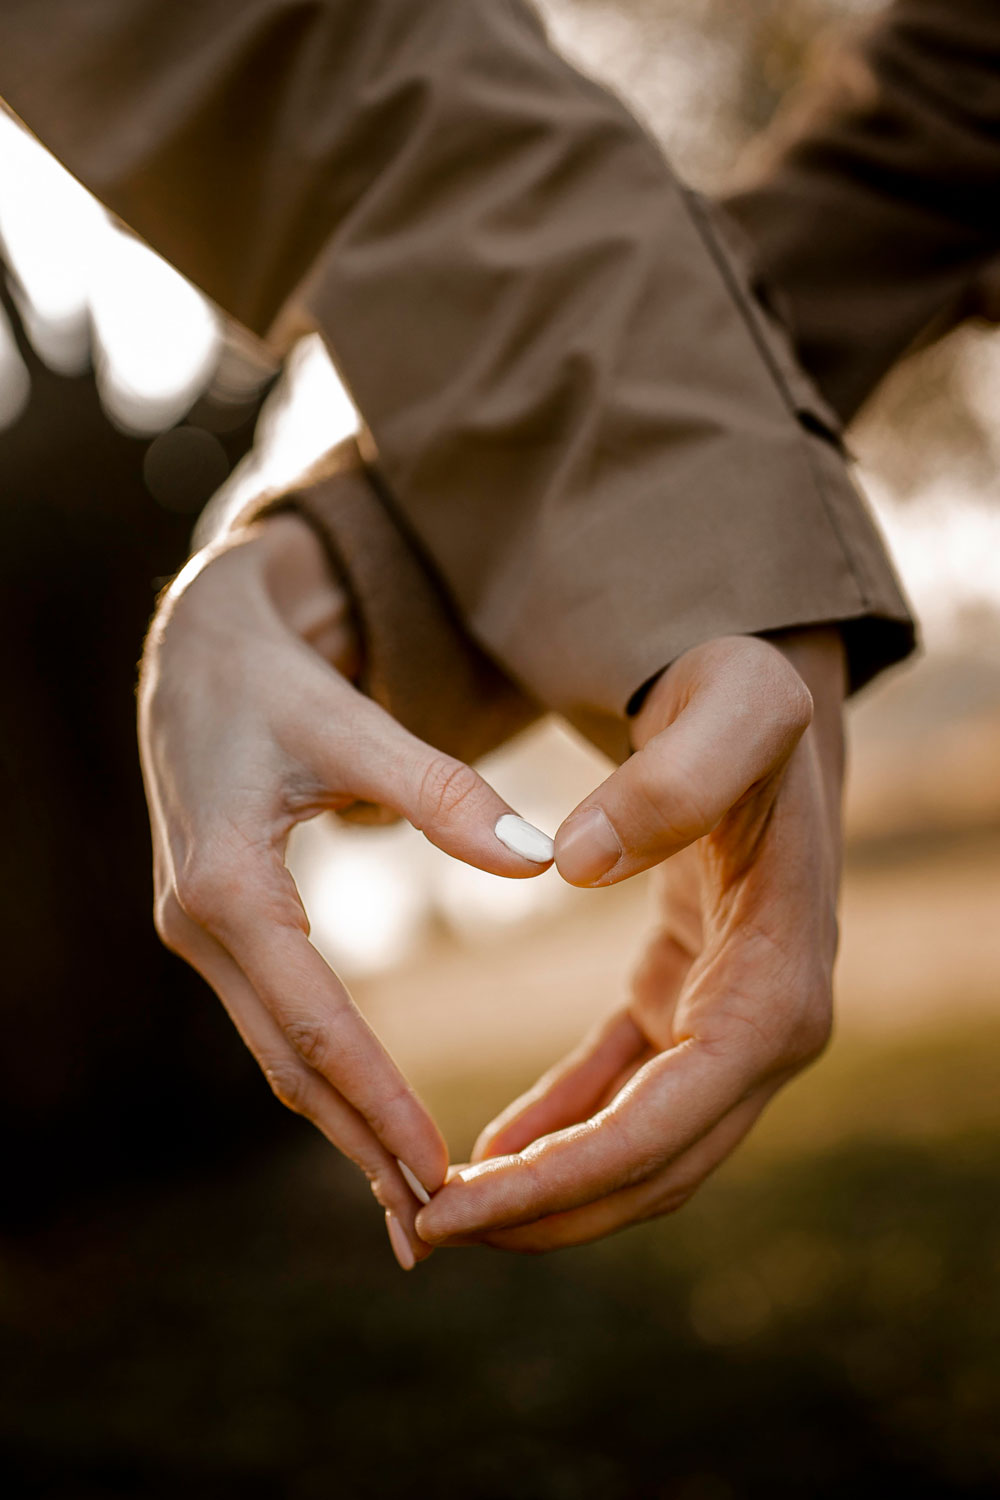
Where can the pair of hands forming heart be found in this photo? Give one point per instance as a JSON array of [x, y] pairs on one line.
[[246, 729]]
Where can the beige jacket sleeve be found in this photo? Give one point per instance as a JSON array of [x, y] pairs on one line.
[[873, 203], [417, 659], [601, 449]]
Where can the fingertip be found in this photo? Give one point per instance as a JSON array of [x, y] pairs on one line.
[[587, 847], [419, 1149], [432, 1173], [525, 840], [428, 1224], [399, 1242], [466, 1202], [434, 1222], [505, 845], [426, 1229]]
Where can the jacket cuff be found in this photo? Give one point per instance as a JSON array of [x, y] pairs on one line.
[[417, 661]]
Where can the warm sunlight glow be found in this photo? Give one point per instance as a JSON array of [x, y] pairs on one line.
[[158, 338], [945, 542], [360, 887], [51, 229], [80, 278]]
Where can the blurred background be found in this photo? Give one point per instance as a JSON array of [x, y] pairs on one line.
[[194, 1291]]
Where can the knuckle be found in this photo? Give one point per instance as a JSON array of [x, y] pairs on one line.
[[385, 1192], [632, 1141], [382, 1110], [797, 705], [445, 787], [168, 919], [814, 1029], [791, 698], [539, 1187], [743, 1028], [289, 1083], [311, 1040], [204, 888], [387, 1187], [679, 813], [778, 1011], [782, 1038], [377, 1116]]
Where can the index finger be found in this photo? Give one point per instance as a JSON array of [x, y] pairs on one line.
[[264, 928], [670, 1103]]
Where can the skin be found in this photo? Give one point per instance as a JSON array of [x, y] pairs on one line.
[[734, 793], [249, 724], [246, 728]]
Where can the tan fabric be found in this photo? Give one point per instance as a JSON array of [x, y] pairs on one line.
[[589, 431], [873, 204], [417, 661]]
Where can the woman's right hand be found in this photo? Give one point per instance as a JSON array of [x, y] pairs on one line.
[[248, 725]]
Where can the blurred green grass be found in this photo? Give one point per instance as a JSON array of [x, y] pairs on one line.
[[821, 1320]]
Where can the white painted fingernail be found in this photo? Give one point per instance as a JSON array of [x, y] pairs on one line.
[[401, 1247], [525, 839], [413, 1182]]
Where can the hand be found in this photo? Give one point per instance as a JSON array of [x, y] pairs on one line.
[[246, 728], [736, 786]]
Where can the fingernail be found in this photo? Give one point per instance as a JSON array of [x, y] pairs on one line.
[[413, 1182], [523, 838], [588, 847], [401, 1247]]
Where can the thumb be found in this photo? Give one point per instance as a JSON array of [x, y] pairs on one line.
[[725, 718], [451, 804]]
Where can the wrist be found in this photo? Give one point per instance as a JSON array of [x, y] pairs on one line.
[[818, 655], [820, 659], [295, 570]]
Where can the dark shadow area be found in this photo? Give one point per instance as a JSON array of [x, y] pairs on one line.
[[117, 1064], [827, 1327]]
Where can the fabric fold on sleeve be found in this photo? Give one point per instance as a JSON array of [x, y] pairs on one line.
[[417, 661], [581, 422], [871, 203]]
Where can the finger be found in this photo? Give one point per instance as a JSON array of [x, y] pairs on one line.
[[304, 1091], [568, 1093], [724, 730], [326, 1031], [252, 910], [664, 1193], [365, 754], [598, 1069], [672, 1102]]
